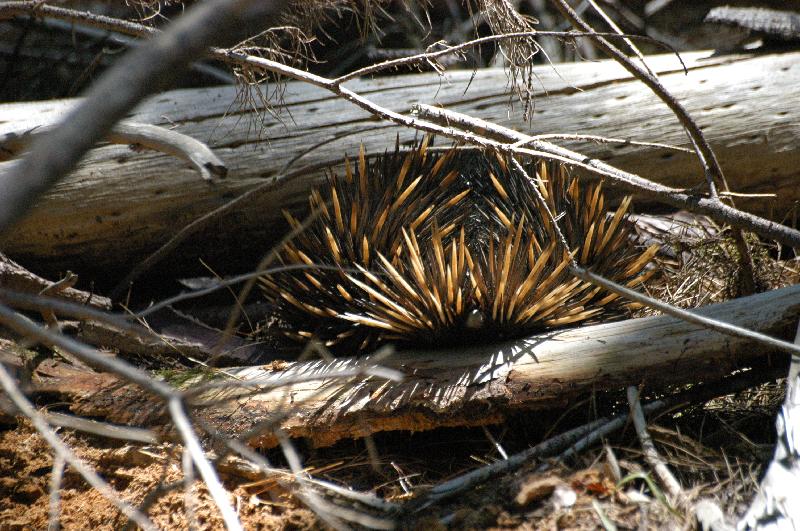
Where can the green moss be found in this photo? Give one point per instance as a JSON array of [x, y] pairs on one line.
[[185, 378]]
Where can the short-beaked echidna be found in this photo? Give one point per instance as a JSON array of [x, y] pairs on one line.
[[437, 248]]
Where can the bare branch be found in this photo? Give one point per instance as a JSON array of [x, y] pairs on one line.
[[142, 71], [619, 178], [685, 315], [147, 136], [648, 447], [703, 149], [192, 445]]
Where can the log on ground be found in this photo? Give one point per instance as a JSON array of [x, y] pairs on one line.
[[470, 386], [121, 204]]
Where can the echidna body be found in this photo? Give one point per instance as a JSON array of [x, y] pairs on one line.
[[436, 248]]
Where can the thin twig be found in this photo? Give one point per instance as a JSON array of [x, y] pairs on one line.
[[651, 455], [154, 137], [188, 482], [64, 307], [618, 31], [698, 394], [610, 140], [684, 315], [618, 178], [456, 48], [103, 429], [192, 445], [705, 154], [56, 476], [224, 283], [465, 481]]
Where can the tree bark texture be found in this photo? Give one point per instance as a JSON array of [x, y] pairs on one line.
[[469, 386], [120, 205]]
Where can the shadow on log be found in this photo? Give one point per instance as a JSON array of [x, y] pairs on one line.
[[468, 386]]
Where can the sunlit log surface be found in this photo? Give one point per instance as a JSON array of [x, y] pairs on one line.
[[121, 204], [467, 386]]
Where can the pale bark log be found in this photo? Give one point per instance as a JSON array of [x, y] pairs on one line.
[[469, 386], [15, 277], [120, 205]]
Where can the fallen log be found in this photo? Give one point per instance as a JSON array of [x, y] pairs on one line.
[[469, 386], [15, 277], [121, 205]]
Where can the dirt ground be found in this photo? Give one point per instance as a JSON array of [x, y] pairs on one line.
[[715, 449], [25, 469]]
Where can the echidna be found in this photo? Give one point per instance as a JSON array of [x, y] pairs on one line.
[[435, 248]]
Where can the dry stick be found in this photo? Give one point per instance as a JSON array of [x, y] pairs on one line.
[[701, 393], [192, 445], [103, 429], [188, 480], [461, 483], [14, 276], [164, 303], [584, 436], [91, 477], [497, 136], [147, 136], [705, 154], [618, 31], [651, 455], [86, 354], [685, 315], [609, 140], [310, 498], [34, 7], [248, 453], [142, 71], [64, 307], [453, 49], [56, 476], [705, 511]]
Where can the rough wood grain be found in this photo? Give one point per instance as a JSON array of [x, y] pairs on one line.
[[474, 385], [15, 277], [742, 102]]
